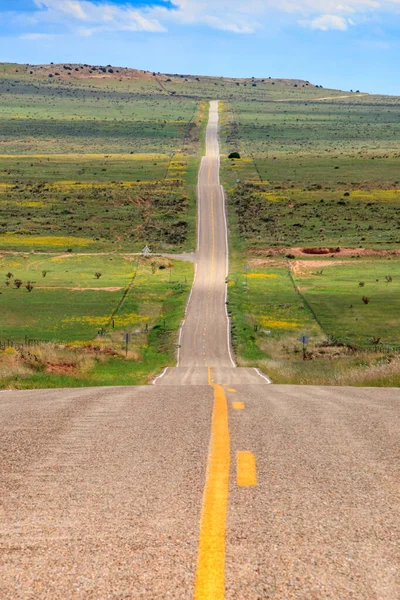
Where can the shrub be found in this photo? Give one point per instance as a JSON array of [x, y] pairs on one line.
[[18, 283], [366, 300], [234, 155]]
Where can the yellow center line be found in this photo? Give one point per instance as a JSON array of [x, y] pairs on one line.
[[238, 405], [210, 575], [246, 469]]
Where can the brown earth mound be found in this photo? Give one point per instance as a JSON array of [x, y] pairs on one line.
[[351, 252], [84, 71], [321, 250]]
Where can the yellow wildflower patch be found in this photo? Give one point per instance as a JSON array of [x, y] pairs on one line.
[[127, 320], [378, 195], [271, 197], [33, 203], [277, 324], [43, 240], [261, 275], [69, 157]]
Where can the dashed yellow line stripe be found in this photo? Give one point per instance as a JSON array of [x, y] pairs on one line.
[[246, 469], [238, 405]]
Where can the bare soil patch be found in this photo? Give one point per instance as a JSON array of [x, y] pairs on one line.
[[301, 267], [303, 252]]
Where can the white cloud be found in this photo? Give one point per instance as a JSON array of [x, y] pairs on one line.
[[88, 17], [246, 16], [327, 22], [96, 16], [36, 36]]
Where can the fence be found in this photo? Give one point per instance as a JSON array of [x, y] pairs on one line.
[[18, 345]]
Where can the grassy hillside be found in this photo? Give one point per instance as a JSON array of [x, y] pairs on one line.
[[313, 206], [97, 161]]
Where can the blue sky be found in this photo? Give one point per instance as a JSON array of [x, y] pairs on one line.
[[354, 44]]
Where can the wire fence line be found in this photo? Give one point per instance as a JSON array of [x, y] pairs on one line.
[[10, 343]]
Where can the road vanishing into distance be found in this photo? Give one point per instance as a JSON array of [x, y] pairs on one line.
[[210, 484]]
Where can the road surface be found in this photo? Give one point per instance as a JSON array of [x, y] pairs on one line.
[[222, 489], [205, 336]]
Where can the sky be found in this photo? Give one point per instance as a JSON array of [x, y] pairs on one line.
[[343, 44]]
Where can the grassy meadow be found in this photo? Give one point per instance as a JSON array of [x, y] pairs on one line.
[[97, 162], [313, 205], [86, 304], [91, 171]]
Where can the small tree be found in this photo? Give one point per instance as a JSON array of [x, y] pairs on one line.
[[17, 283], [234, 155], [98, 275], [389, 278], [366, 300], [9, 275], [29, 286], [44, 273]]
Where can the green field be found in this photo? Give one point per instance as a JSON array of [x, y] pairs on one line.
[[70, 305], [351, 342], [314, 173], [317, 175], [96, 162]]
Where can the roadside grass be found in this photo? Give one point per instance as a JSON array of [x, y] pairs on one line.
[[351, 343], [335, 293], [81, 304], [100, 213], [346, 218], [82, 168], [265, 310], [315, 172], [133, 295]]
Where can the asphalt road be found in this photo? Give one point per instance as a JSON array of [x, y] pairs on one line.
[[211, 485], [205, 335]]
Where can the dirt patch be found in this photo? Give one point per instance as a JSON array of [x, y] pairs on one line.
[[266, 263], [301, 267], [320, 251], [350, 252]]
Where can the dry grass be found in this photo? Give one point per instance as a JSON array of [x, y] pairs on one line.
[[51, 358], [326, 365]]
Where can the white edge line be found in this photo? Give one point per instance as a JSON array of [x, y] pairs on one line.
[[262, 375], [160, 376], [229, 340], [184, 320], [226, 284], [198, 205]]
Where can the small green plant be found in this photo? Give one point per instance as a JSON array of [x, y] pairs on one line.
[[44, 273]]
